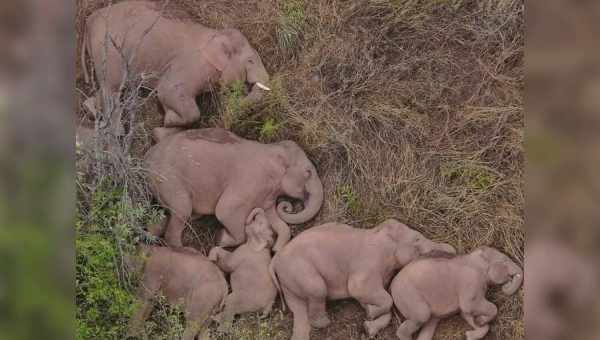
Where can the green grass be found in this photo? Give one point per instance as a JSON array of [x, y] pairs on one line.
[[290, 23], [105, 284], [269, 129], [232, 108], [473, 176], [346, 194]]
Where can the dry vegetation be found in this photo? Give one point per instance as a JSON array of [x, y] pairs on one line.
[[409, 108]]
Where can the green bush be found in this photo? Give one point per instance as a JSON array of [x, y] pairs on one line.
[[104, 295]]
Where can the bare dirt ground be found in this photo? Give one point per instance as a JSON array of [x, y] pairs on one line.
[[411, 109]]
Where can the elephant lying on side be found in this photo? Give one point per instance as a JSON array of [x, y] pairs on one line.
[[430, 289], [182, 276], [213, 171], [181, 58], [251, 284], [336, 261]]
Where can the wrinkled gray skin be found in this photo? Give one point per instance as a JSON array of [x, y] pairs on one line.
[[181, 58], [213, 171], [251, 286], [428, 290], [336, 261], [185, 277]]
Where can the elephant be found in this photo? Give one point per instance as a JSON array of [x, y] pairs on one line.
[[179, 58], [251, 285], [430, 289], [213, 171], [183, 276], [336, 261]]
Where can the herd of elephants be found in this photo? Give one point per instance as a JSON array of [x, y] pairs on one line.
[[212, 171]]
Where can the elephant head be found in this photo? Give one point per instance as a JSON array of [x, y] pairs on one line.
[[258, 230], [409, 243], [300, 181], [501, 270], [232, 55]]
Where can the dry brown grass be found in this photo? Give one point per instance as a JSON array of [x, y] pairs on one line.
[[410, 109]]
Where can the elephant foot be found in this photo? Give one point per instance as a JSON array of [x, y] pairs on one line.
[[172, 119], [402, 336], [477, 333], [373, 327], [371, 311], [224, 239], [320, 322]]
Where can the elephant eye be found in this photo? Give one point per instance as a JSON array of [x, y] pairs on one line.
[[307, 174]]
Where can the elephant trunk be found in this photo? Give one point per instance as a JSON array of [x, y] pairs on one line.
[[312, 203], [511, 287], [257, 76], [281, 228]]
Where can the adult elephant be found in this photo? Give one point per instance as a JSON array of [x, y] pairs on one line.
[[213, 171], [180, 58]]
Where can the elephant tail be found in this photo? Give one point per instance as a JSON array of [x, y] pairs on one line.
[[276, 282], [225, 294]]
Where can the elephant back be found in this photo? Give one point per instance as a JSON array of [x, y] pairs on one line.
[[215, 135]]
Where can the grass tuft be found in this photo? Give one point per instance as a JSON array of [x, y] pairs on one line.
[[290, 23]]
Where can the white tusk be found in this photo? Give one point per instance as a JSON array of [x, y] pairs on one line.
[[262, 86]]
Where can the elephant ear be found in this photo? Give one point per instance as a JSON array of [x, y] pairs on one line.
[[498, 273], [220, 53], [391, 228]]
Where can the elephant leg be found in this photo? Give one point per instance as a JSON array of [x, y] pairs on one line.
[[199, 306], [428, 329], [415, 309], [158, 229], [486, 312], [372, 327], [180, 214], [146, 292], [235, 304], [136, 324], [478, 332], [232, 214], [317, 312], [224, 239], [267, 309], [299, 309], [369, 291], [179, 105]]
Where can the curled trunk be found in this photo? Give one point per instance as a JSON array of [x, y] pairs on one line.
[[312, 203], [515, 282]]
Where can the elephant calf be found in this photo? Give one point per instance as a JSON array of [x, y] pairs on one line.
[[336, 261], [183, 277], [251, 284], [430, 289]]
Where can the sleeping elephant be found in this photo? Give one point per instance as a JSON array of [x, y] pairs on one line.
[[431, 289], [336, 261], [213, 171], [181, 58]]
